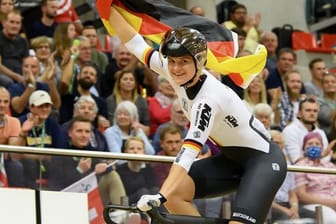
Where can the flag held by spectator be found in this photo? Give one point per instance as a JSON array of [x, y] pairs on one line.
[[3, 175], [89, 185], [152, 18]]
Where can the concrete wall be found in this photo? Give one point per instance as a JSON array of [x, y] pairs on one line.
[[277, 13], [273, 13], [209, 7]]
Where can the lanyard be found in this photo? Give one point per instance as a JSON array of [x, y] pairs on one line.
[[42, 137]]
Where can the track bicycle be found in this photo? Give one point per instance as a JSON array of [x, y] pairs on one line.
[[158, 217]]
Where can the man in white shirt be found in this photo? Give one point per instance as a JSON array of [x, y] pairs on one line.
[[304, 123]]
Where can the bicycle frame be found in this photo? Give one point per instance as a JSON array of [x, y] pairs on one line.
[[163, 218]]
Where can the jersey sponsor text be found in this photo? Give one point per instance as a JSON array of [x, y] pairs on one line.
[[231, 121], [243, 216], [205, 117]]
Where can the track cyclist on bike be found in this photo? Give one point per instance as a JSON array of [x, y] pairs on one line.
[[249, 163]]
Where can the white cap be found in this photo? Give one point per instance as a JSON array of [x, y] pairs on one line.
[[39, 97]]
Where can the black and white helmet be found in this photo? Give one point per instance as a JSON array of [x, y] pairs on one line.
[[185, 41]]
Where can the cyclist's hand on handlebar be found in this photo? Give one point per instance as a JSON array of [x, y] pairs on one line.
[[146, 201]]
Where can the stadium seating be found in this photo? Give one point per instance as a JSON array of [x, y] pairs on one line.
[[308, 42], [328, 40]]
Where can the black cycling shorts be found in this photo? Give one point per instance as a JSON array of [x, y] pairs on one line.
[[255, 176]]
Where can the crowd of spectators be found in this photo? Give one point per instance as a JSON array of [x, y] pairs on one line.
[[58, 90], [292, 111]]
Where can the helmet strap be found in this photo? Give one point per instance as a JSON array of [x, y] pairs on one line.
[[185, 85]]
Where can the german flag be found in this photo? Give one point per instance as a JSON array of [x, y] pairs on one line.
[[152, 18]]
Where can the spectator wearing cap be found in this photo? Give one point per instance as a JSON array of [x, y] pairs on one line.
[[39, 130], [20, 92]]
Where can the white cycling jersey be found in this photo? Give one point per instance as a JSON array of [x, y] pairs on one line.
[[214, 110]]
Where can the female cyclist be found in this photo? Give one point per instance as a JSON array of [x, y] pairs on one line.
[[249, 163]]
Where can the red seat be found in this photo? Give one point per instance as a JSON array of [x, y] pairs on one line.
[[303, 41], [307, 41], [328, 40]]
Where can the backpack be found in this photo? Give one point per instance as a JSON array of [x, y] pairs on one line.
[[284, 34]]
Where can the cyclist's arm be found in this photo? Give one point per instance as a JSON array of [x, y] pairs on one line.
[[192, 145], [136, 44]]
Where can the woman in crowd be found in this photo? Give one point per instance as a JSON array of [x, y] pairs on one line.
[[314, 189], [126, 124], [126, 88], [63, 39], [255, 93], [264, 113], [42, 46], [216, 112]]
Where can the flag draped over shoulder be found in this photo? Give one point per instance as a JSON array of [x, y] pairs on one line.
[[152, 18]]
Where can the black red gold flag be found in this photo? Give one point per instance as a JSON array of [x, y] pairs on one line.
[[152, 18]]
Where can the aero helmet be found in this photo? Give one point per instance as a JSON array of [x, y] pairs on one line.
[[185, 41]]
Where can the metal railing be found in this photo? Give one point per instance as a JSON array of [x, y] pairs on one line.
[[128, 156]]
